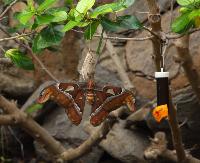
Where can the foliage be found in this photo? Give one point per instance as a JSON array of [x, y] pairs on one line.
[[50, 23], [189, 16], [33, 108], [19, 59]]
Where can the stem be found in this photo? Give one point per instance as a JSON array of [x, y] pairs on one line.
[[6, 10], [182, 46], [155, 21]]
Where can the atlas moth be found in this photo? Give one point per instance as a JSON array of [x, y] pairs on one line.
[[101, 100]]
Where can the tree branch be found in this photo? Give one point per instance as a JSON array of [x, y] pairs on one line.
[[16, 116], [158, 147], [120, 68], [155, 21], [93, 139], [15, 37], [118, 38], [30, 126], [6, 120], [8, 8], [182, 46]]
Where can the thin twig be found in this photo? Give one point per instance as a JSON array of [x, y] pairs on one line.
[[120, 68], [8, 8], [118, 38], [93, 139], [32, 54], [15, 37], [168, 36], [40, 63], [176, 36]]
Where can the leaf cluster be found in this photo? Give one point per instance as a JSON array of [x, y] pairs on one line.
[[189, 16], [50, 23]]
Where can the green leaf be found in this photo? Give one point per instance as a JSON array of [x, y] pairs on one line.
[[83, 6], [44, 19], [45, 5], [24, 16], [111, 7], [59, 13], [71, 24], [90, 30], [185, 2], [104, 9], [109, 25], [122, 22], [183, 10], [52, 15], [182, 23], [31, 5], [19, 59], [129, 22], [69, 2], [33, 108], [59, 16], [83, 24], [49, 36]]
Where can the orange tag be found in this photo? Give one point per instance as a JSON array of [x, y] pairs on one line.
[[160, 112]]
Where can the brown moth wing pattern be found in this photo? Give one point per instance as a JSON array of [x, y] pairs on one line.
[[64, 87], [110, 104], [65, 99], [116, 90], [75, 111], [100, 97]]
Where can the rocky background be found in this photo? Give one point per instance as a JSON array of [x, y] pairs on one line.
[[126, 141]]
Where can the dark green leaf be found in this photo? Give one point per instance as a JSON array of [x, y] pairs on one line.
[[109, 25], [69, 2], [129, 22], [39, 2], [122, 22], [45, 5], [19, 59], [90, 30], [182, 23], [49, 36]]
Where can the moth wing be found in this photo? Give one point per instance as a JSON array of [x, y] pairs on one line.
[[110, 104], [116, 90], [98, 114], [70, 88], [75, 109]]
